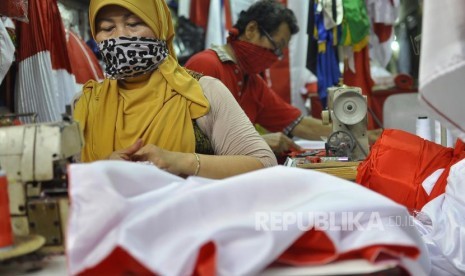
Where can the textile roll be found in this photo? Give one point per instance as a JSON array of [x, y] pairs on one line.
[[437, 132], [6, 236], [449, 136], [403, 81], [423, 128]]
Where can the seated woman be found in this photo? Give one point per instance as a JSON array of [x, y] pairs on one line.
[[151, 109]]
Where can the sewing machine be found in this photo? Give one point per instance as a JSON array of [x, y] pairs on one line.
[[347, 110], [35, 157]]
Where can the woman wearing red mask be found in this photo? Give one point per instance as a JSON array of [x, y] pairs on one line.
[[255, 43]]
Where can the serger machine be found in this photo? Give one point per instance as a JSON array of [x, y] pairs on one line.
[[35, 157]]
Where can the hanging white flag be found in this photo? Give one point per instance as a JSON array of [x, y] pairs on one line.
[[442, 64], [7, 50]]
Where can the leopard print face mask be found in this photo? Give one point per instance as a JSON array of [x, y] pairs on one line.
[[127, 57]]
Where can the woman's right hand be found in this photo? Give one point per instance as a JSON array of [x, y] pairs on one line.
[[126, 154]]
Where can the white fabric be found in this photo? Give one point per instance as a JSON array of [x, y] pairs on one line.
[[8, 22], [184, 8], [382, 77], [41, 89], [162, 220], [442, 64], [348, 56], [383, 11], [444, 230], [216, 28], [237, 6], [298, 53], [7, 51], [310, 144], [430, 181], [329, 21], [381, 52], [307, 77], [438, 131]]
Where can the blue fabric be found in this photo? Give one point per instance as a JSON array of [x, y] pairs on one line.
[[327, 67]]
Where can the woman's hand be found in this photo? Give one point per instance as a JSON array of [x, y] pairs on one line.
[[126, 154], [177, 163]]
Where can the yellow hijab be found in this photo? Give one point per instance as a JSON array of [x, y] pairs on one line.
[[114, 115]]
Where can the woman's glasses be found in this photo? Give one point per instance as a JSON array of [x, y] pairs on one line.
[[277, 51]]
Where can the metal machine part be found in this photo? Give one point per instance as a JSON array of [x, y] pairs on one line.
[[35, 157], [347, 110], [340, 143]]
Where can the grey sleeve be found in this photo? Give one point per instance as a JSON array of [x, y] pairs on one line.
[[228, 128]]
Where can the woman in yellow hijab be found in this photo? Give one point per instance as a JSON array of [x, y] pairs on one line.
[[149, 108]]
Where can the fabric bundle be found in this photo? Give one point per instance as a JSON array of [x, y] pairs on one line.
[[129, 217]]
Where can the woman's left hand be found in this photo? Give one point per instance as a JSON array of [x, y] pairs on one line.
[[177, 163]]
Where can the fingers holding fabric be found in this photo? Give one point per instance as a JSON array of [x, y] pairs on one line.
[[126, 154]]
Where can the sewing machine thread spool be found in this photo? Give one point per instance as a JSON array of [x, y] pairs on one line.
[[6, 235], [423, 128]]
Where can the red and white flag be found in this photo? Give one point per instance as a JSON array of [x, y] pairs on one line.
[[44, 82], [138, 219]]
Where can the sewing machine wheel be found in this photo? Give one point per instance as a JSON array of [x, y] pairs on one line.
[[341, 143], [350, 107]]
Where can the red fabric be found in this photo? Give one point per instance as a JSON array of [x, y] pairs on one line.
[[280, 77], [44, 32], [84, 64], [253, 59], [398, 164], [6, 235], [382, 31], [361, 78], [228, 14], [199, 11], [261, 104], [206, 261], [118, 262], [315, 248], [316, 106], [14, 8], [312, 248], [404, 81]]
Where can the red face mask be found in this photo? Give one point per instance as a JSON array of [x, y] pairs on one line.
[[252, 58]]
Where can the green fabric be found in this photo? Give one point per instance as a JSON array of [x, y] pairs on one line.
[[356, 23]]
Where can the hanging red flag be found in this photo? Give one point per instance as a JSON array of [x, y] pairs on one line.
[[84, 63]]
